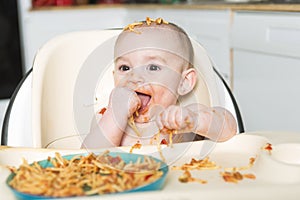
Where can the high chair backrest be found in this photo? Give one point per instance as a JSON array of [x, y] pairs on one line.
[[72, 79], [55, 70]]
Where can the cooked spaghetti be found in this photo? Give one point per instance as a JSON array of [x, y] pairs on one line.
[[231, 175], [132, 124], [84, 175]]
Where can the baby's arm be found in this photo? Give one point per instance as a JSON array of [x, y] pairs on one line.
[[108, 132], [215, 123]]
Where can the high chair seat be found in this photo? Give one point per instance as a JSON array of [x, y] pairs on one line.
[[72, 78]]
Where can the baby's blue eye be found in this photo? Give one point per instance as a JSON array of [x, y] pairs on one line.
[[124, 68], [153, 68]]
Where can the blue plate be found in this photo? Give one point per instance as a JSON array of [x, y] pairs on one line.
[[127, 157]]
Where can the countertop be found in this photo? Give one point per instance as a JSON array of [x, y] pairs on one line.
[[210, 5]]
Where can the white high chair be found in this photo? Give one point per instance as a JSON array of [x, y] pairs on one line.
[[54, 104]]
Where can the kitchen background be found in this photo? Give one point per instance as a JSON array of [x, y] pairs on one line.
[[256, 45]]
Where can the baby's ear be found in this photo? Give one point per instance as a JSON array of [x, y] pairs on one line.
[[188, 81]]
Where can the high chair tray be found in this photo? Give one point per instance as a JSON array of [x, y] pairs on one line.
[[270, 167]]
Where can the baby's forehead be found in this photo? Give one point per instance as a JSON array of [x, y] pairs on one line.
[[152, 56], [150, 53], [159, 37]]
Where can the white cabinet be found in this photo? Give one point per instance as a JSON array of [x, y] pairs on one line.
[[267, 89], [266, 70]]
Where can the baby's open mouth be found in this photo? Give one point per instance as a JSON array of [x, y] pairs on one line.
[[145, 99]]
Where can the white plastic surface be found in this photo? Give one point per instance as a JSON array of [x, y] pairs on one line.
[[274, 178]]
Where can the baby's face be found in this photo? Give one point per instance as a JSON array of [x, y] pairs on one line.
[[154, 75]]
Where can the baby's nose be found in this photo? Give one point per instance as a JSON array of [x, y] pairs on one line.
[[137, 77]]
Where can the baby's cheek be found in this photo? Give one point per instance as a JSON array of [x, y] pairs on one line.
[[166, 98], [120, 80]]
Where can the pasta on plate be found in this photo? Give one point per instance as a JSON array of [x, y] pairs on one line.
[[91, 174]]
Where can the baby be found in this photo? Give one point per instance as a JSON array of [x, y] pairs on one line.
[[153, 68]]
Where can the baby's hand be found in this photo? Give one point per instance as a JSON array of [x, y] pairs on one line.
[[124, 101], [176, 118]]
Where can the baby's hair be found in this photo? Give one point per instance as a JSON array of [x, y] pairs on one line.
[[161, 23], [182, 31]]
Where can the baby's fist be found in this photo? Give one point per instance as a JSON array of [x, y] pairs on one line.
[[176, 118], [124, 101]]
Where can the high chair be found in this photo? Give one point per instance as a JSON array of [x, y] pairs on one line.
[[71, 78]]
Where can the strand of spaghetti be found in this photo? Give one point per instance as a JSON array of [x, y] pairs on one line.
[[131, 123], [171, 137], [159, 147]]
